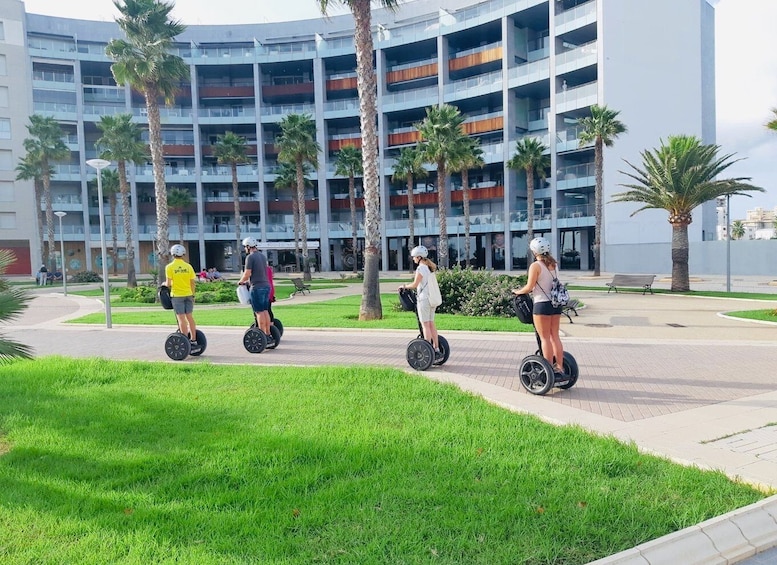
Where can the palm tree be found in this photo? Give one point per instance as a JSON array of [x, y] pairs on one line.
[[29, 169], [179, 200], [349, 164], [772, 124], [366, 86], [121, 142], [44, 147], [441, 133], [144, 62], [678, 177], [531, 158], [737, 230], [287, 178], [12, 301], [469, 156], [601, 128], [297, 144], [230, 149], [409, 167], [110, 182]]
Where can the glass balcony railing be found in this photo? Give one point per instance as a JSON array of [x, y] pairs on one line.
[[486, 82], [52, 76], [576, 176], [341, 105], [577, 97], [54, 107], [569, 139], [283, 109], [576, 17], [409, 96], [103, 110], [530, 72], [226, 112]]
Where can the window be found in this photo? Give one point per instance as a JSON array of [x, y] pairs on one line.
[[3, 66], [7, 220], [5, 128], [6, 191], [2, 31], [6, 160], [3, 97]]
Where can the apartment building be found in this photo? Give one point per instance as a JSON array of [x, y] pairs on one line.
[[514, 68]]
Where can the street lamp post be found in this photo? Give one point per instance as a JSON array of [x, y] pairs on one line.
[[100, 164], [61, 215], [728, 243]]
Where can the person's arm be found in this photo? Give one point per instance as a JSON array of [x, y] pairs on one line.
[[246, 276], [193, 282], [534, 272], [416, 281], [168, 279]]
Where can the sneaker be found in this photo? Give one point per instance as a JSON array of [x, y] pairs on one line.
[[438, 355]]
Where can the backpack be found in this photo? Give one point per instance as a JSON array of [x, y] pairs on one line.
[[559, 295], [435, 298]]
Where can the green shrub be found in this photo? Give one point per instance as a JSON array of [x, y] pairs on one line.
[[86, 277], [145, 294], [477, 292]]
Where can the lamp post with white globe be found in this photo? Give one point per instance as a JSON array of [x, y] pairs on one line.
[[100, 164]]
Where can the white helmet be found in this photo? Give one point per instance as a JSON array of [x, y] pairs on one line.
[[250, 242], [177, 250], [419, 251], [539, 246]]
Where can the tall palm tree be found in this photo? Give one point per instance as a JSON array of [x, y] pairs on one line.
[[366, 86], [678, 177], [601, 128], [179, 200], [121, 142], [297, 144], [469, 156], [12, 301], [287, 178], [30, 169], [144, 62], [737, 229], [230, 149], [441, 133], [349, 164], [772, 124], [531, 158], [110, 186], [408, 167], [43, 147]]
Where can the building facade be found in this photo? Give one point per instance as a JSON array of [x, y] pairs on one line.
[[514, 68]]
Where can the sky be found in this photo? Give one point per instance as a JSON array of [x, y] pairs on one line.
[[746, 69]]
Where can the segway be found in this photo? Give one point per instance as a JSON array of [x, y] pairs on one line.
[[177, 345], [420, 353], [536, 374], [254, 339]]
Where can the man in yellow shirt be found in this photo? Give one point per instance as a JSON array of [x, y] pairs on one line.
[[180, 278]]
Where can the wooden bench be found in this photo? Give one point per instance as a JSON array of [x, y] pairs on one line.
[[570, 306], [300, 286], [645, 282]]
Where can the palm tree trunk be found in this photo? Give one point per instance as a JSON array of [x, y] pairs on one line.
[[442, 244], [410, 216], [354, 234], [127, 214], [465, 198], [295, 216], [599, 168], [680, 276], [114, 229], [529, 212], [236, 198], [180, 226], [40, 218], [49, 219], [160, 188], [303, 221], [371, 308]]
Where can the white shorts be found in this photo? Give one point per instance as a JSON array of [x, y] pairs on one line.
[[425, 311]]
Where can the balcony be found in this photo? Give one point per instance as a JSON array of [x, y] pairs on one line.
[[419, 97], [578, 97], [403, 136], [576, 18], [569, 139], [582, 56], [412, 71], [576, 176], [232, 91], [529, 73], [270, 91], [474, 86], [483, 123], [58, 110], [477, 56]]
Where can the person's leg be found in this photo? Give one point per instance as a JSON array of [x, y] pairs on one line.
[[557, 346], [543, 326], [264, 321], [192, 326], [183, 324]]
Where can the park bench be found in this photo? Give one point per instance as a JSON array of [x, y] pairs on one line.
[[300, 286], [570, 306], [645, 282]]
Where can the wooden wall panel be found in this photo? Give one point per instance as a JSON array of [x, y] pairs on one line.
[[473, 59], [414, 73]]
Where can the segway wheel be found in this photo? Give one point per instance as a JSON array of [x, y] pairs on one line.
[[202, 341], [445, 349], [420, 354], [536, 374], [277, 323], [275, 334], [178, 346], [571, 372], [254, 340]]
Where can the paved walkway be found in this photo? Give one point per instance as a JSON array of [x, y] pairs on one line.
[[670, 373]]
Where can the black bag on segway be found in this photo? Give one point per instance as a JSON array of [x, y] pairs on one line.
[[407, 299], [164, 297], [524, 308]]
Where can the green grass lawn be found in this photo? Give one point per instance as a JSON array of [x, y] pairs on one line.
[[135, 462], [710, 293], [761, 315], [341, 312]]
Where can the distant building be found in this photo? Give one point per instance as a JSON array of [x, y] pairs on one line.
[[760, 223]]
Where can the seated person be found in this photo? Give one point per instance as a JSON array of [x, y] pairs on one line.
[[215, 275], [203, 276], [56, 276]]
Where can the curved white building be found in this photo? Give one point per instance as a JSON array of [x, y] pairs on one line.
[[514, 68]]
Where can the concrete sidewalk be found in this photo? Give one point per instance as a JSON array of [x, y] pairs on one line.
[[670, 373]]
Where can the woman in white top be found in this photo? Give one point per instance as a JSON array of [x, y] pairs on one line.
[[546, 317], [424, 269]]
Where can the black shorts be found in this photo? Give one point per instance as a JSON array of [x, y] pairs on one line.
[[546, 309]]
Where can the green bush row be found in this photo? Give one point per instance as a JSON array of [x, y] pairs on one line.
[[477, 292], [204, 293]]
